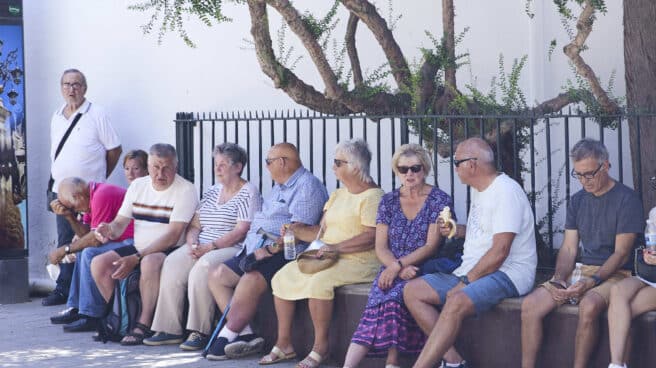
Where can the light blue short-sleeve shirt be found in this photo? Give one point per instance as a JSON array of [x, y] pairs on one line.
[[300, 199]]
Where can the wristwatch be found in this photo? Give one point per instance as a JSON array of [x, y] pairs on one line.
[[464, 279], [596, 279], [67, 249]]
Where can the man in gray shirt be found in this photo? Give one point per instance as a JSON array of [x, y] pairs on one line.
[[606, 218]]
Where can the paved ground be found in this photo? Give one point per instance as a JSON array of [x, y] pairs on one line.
[[28, 339]]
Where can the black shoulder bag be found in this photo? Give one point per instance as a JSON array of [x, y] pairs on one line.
[[50, 195]]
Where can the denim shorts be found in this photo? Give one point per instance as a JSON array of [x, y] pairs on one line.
[[485, 292]]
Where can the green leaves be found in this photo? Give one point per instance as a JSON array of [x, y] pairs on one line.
[[170, 15]]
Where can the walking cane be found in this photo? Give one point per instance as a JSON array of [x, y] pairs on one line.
[[216, 330]]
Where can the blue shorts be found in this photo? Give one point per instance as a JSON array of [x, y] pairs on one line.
[[485, 292]]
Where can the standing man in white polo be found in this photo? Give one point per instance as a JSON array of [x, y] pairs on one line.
[[84, 144]]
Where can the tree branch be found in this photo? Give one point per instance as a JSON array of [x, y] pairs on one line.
[[368, 14], [573, 51], [352, 51], [557, 103], [298, 26], [448, 15], [282, 77], [427, 83]]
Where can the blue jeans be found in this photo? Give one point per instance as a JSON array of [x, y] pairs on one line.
[[64, 237], [84, 294]]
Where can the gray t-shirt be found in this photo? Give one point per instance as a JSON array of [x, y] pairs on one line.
[[599, 219]]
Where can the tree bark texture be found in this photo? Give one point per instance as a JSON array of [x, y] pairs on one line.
[[640, 76]]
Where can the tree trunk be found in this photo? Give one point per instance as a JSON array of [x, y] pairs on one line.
[[640, 76]]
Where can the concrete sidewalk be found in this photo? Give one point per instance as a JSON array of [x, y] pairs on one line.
[[28, 339]]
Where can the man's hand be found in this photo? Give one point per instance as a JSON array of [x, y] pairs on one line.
[[125, 266], [198, 251], [455, 289], [388, 275], [59, 209], [103, 232], [56, 255], [574, 291], [408, 272]]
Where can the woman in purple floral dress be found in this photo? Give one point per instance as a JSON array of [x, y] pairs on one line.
[[406, 235]]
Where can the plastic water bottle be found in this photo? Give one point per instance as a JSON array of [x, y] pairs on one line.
[[576, 276], [289, 243], [650, 236]]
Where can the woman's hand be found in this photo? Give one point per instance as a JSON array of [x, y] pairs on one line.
[[198, 250], [388, 275], [408, 272], [649, 257], [327, 248]]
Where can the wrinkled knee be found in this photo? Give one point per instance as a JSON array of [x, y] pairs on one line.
[[590, 309], [151, 265], [458, 305]]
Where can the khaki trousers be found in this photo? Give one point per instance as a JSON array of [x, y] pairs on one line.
[[182, 275]]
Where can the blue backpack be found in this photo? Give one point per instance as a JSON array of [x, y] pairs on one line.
[[123, 309]]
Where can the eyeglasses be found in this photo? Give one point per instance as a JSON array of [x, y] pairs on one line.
[[457, 163], [413, 168], [588, 175], [268, 161], [339, 163], [74, 85]]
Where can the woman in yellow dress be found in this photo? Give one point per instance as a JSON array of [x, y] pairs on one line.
[[349, 228]]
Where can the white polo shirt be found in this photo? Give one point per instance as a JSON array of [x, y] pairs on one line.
[[84, 152]]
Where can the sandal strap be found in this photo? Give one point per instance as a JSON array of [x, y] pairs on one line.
[[142, 327], [315, 356], [278, 352]]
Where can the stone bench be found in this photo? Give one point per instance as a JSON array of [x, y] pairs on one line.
[[493, 340]]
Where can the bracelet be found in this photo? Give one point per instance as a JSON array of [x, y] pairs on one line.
[[399, 262], [266, 247]]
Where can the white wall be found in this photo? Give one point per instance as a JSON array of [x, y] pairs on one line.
[[144, 84]]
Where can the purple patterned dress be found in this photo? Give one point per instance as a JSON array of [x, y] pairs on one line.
[[386, 322]]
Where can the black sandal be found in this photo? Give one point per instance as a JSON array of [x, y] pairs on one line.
[[137, 336]]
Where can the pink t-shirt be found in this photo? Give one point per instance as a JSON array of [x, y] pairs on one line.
[[105, 201]]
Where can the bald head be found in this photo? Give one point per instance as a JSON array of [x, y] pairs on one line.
[[479, 148], [283, 161], [73, 192], [288, 151]]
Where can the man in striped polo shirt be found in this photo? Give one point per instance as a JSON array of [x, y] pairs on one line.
[[161, 204]]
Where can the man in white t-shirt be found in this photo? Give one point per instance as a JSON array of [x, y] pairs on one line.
[[498, 262], [90, 152], [161, 204]]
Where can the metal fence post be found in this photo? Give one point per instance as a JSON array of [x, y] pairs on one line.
[[184, 143]]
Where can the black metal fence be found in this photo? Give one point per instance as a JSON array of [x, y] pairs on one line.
[[532, 149]]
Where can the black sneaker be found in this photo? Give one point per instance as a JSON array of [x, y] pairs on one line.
[[244, 345], [217, 349], [54, 298], [83, 324], [66, 316]]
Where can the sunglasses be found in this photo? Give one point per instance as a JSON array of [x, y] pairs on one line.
[[339, 163], [268, 161], [413, 168], [457, 163]]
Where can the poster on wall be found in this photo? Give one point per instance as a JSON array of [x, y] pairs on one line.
[[13, 182]]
